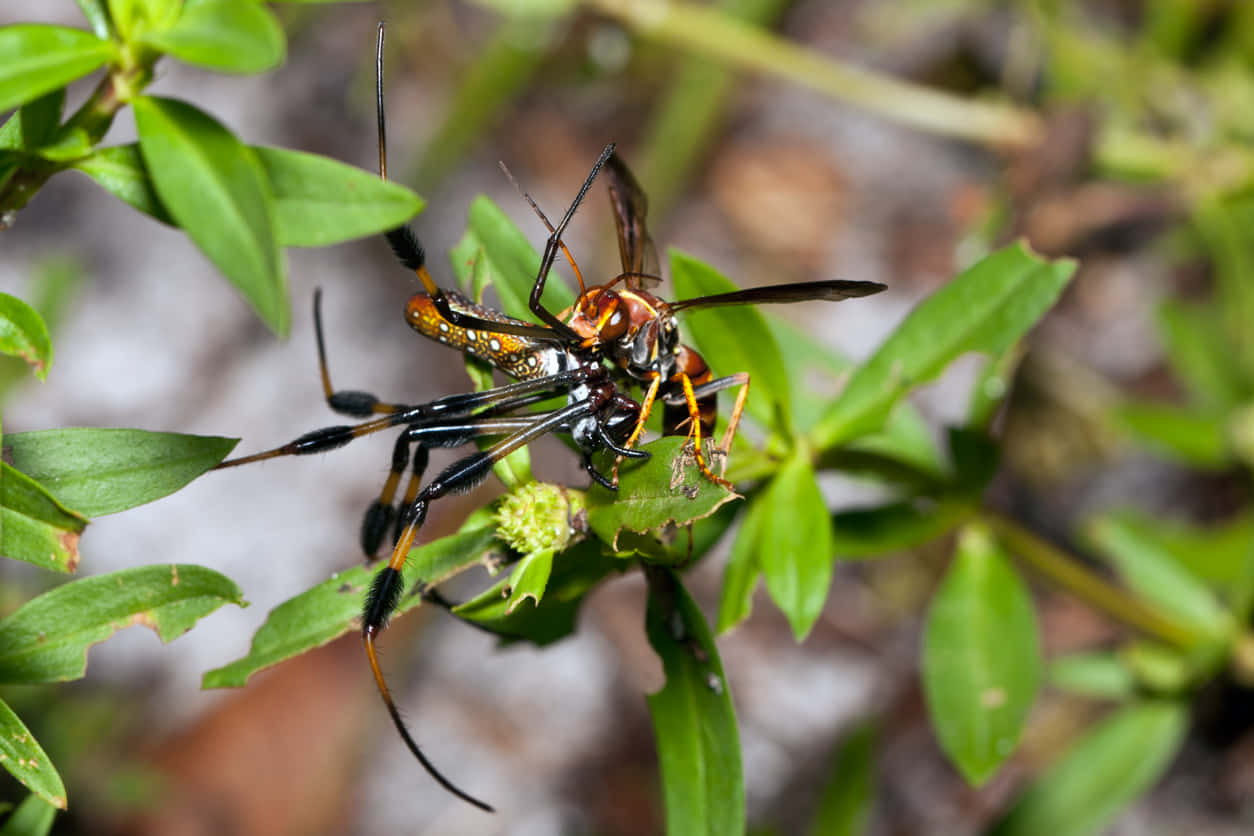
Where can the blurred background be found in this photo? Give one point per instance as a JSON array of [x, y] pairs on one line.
[[1108, 130]]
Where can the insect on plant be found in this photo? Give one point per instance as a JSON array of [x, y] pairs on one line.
[[616, 335]]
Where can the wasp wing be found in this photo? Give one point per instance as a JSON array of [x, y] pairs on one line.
[[829, 291], [635, 248]]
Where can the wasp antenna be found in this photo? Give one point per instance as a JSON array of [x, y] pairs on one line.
[[378, 100], [570, 259]]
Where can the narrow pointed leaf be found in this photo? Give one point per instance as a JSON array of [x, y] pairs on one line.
[[334, 607], [859, 533], [216, 189], [26, 761], [796, 540], [103, 471], [1199, 354], [1157, 577], [234, 36], [981, 657], [735, 339], [23, 334], [33, 817], [120, 171], [47, 639], [1190, 435], [39, 58], [986, 309], [845, 806], [34, 123], [1219, 553], [694, 723], [744, 566], [1103, 772], [512, 262], [34, 527], [320, 201], [1100, 675]]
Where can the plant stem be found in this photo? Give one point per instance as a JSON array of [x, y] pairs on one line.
[[1062, 569], [706, 31]]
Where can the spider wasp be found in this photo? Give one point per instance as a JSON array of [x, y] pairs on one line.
[[616, 334]]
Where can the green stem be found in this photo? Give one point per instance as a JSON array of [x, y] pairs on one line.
[[706, 31], [1062, 569]]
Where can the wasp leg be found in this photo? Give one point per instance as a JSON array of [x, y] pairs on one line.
[[386, 589], [347, 402]]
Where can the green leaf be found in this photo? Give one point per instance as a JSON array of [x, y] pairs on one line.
[[573, 573], [694, 723], [1099, 674], [992, 387], [737, 338], [333, 607], [1186, 434], [47, 639], [34, 527], [981, 657], [740, 578], [34, 123], [895, 527], [845, 806], [1107, 769], [26, 761], [511, 262], [33, 817], [796, 544], [97, 15], [39, 58], [120, 171], [134, 18], [665, 489], [319, 201], [1219, 553], [23, 334], [103, 471], [1157, 577], [529, 579], [234, 36], [532, 8], [217, 191], [986, 309], [1199, 354]]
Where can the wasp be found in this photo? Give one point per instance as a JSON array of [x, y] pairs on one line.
[[617, 335]]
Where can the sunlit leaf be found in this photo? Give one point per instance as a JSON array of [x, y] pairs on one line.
[[235, 36], [217, 191], [796, 544], [103, 471], [39, 58]]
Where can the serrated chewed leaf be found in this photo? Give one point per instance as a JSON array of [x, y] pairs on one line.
[[234, 36], [39, 58], [512, 263], [47, 639], [26, 761], [1157, 577], [23, 334], [1103, 772], [120, 171], [33, 817], [981, 657], [845, 806], [320, 201], [1100, 674], [1197, 438], [985, 309], [103, 471], [34, 527], [333, 607], [796, 541], [737, 339], [740, 579], [529, 579], [217, 191], [694, 723], [665, 489], [859, 533]]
